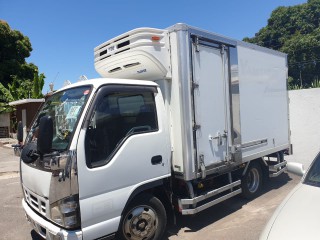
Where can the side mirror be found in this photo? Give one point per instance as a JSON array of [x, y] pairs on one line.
[[296, 168], [44, 143], [20, 132], [18, 147]]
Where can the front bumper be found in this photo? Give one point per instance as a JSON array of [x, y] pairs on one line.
[[46, 229]]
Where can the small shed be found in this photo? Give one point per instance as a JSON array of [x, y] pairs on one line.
[[26, 110]]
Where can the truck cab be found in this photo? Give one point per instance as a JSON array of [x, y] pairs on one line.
[[96, 160]]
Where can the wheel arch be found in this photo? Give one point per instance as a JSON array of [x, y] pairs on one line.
[[263, 165], [158, 188]]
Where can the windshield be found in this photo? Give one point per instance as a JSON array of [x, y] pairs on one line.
[[313, 176], [64, 108]]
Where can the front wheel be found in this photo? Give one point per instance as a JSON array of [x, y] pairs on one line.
[[145, 218], [251, 182]]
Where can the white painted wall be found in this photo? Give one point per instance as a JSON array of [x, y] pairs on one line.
[[305, 125]]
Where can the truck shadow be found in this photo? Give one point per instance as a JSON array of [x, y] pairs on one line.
[[223, 209]]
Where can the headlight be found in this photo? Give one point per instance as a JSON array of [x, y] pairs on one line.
[[66, 212]]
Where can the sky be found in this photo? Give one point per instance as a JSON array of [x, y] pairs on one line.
[[63, 33]]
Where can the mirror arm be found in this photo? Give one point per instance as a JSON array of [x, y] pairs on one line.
[[53, 154]]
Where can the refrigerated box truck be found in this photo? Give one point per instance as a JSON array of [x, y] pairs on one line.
[[181, 120]]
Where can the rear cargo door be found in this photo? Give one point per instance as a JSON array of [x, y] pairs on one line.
[[211, 102]]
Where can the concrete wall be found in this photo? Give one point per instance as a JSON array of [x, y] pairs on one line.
[[305, 125]]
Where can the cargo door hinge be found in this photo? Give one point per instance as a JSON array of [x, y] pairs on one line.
[[223, 49], [196, 127], [196, 44], [202, 167], [195, 85], [235, 148]]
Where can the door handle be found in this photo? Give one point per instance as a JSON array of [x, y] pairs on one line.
[[156, 160]]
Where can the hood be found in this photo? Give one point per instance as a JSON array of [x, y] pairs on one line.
[[297, 217]]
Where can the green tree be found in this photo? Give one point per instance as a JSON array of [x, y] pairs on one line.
[[295, 30], [37, 86], [18, 79], [20, 89], [14, 49]]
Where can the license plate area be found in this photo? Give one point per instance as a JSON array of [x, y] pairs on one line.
[[37, 227]]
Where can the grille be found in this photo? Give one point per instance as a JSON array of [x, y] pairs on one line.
[[36, 202]]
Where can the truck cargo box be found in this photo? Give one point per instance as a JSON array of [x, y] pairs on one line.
[[227, 99]]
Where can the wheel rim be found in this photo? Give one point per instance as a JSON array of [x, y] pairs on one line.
[[140, 223], [253, 180]]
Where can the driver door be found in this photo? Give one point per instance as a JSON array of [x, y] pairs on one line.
[[124, 145]]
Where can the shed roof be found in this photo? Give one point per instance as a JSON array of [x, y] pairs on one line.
[[24, 101]]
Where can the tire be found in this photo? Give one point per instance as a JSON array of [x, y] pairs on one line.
[[145, 218], [251, 182]]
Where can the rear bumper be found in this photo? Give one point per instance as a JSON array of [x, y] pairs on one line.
[[46, 229]]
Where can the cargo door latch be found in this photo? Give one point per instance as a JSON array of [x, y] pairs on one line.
[[218, 137]]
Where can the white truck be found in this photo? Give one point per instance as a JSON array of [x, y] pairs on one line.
[[181, 120]]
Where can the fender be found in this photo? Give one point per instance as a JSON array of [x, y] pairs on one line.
[[143, 188]]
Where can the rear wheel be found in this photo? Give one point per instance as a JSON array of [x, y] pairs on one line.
[[144, 219], [251, 182]]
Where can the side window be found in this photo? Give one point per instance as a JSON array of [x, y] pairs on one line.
[[115, 117]]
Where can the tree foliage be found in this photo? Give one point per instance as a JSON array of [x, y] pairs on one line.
[[20, 89], [295, 30], [14, 49], [18, 79], [37, 86]]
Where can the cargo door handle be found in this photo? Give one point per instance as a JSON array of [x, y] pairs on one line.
[[218, 137], [156, 160]]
